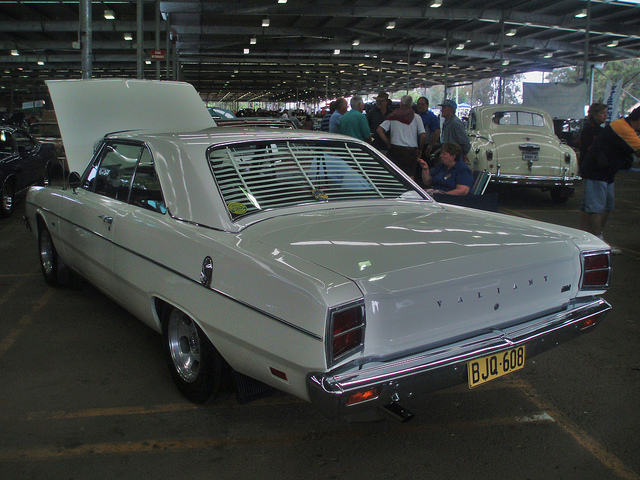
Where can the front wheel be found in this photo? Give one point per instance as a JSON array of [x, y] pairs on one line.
[[6, 199], [197, 368]]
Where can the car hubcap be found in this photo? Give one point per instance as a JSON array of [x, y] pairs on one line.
[[46, 253], [184, 345], [7, 199]]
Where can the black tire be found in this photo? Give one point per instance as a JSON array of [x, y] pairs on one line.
[[561, 194], [7, 198], [197, 368], [54, 271]]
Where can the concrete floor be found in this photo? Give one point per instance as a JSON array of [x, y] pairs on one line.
[[85, 394]]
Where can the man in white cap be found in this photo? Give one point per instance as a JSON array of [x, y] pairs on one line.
[[453, 130]]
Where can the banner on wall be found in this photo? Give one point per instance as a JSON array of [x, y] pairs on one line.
[[561, 100], [612, 92]]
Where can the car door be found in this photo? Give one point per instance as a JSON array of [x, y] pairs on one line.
[[92, 215], [31, 165], [9, 158]]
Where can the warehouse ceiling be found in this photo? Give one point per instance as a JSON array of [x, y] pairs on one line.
[[310, 48]]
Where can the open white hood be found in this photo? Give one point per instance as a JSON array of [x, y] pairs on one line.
[[89, 109]]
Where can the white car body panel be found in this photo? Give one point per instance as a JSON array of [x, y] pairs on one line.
[[429, 275], [87, 110]]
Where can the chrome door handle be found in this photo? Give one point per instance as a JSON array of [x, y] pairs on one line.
[[106, 219]]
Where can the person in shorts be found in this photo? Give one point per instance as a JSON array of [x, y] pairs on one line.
[[612, 150]]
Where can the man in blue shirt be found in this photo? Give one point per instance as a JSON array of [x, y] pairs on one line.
[[341, 109], [431, 125], [453, 129]]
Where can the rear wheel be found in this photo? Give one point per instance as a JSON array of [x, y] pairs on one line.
[[6, 199], [561, 194], [54, 271], [197, 368]]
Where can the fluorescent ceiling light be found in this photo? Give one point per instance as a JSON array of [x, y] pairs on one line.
[[356, 42], [15, 53], [460, 46], [582, 13], [246, 51], [548, 55], [265, 22], [109, 15], [614, 43], [336, 51], [282, 1], [391, 25], [253, 41], [40, 62], [436, 4], [128, 37], [426, 55], [511, 32], [505, 62]]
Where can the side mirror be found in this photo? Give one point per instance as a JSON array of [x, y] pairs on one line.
[[74, 180]]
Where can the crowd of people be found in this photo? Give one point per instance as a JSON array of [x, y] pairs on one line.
[[411, 138]]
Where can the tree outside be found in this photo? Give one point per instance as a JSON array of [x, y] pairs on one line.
[[628, 70]]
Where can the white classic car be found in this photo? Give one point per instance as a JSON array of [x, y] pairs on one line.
[[303, 261], [517, 145]]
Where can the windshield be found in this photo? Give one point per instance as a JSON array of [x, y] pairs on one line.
[[270, 174]]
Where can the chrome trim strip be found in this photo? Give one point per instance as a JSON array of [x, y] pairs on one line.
[[442, 367]]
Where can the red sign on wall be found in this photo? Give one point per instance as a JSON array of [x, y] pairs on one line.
[[158, 54]]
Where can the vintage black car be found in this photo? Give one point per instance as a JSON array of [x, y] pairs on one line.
[[23, 162]]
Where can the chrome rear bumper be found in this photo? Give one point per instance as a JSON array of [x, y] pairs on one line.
[[445, 366], [536, 181]]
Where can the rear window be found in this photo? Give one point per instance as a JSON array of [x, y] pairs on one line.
[[527, 119], [271, 174]]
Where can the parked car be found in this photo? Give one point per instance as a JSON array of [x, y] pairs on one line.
[[49, 132], [303, 261], [518, 146], [218, 113], [23, 162]]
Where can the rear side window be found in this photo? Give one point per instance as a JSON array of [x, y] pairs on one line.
[[145, 188]]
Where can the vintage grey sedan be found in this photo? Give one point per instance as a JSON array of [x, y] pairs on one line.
[[517, 145], [302, 261]]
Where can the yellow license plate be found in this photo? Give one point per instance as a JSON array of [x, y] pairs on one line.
[[494, 366]]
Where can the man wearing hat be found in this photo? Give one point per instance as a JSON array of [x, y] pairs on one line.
[[453, 130], [377, 115]]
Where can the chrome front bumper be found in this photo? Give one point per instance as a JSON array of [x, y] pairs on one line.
[[445, 366]]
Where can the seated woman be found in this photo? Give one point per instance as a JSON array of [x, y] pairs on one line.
[[451, 175]]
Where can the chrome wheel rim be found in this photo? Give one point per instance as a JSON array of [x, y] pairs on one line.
[[7, 198], [46, 252], [184, 345]]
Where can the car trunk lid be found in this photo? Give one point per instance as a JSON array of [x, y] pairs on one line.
[[429, 274], [538, 155]]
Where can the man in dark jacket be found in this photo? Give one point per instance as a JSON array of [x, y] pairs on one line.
[[611, 151]]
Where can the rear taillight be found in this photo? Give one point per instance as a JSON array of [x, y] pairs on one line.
[[596, 270], [345, 334]]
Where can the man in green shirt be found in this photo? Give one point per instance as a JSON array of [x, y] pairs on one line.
[[354, 123]]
